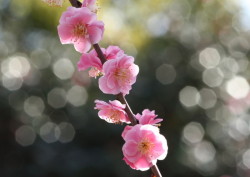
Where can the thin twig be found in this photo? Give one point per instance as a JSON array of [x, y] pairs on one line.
[[128, 110], [120, 97], [156, 171]]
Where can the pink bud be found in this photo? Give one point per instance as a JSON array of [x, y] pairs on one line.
[[148, 117]]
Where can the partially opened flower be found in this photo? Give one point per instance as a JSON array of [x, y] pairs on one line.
[[144, 145], [112, 112], [148, 117], [79, 26], [54, 2], [91, 60], [91, 4], [113, 52], [120, 75]]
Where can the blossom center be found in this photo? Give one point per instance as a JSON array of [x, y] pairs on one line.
[[115, 116], [122, 75], [80, 30], [145, 146]]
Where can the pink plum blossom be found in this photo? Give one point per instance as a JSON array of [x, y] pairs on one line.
[[147, 117], [112, 112], [91, 4], [91, 60], [144, 145], [120, 75], [79, 26]]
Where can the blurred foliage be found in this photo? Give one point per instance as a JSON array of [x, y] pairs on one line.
[[194, 71]]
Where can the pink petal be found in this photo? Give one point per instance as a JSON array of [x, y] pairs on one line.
[[161, 148], [101, 104], [133, 134], [126, 61], [88, 2], [111, 82], [134, 69], [125, 89], [126, 129], [95, 33], [129, 163], [84, 16], [143, 164], [67, 14], [82, 45], [117, 104], [113, 52], [105, 88], [156, 121], [130, 148], [65, 34]]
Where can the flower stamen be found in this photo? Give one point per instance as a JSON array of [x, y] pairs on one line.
[[114, 116], [122, 75], [80, 31], [145, 146]]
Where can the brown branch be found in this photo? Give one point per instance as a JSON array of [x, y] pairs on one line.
[[75, 3], [120, 97], [99, 53]]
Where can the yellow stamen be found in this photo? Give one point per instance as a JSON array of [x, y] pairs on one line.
[[145, 146], [122, 75], [114, 116], [79, 31]]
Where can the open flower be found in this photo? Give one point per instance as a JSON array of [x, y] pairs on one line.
[[112, 112], [144, 145], [91, 60], [120, 75], [147, 117], [91, 4], [79, 26]]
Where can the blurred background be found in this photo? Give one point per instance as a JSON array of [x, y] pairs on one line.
[[194, 72]]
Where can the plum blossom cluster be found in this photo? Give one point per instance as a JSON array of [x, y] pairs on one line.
[[117, 72]]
